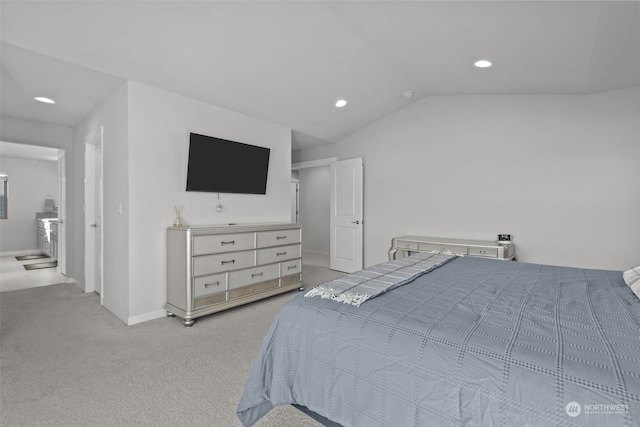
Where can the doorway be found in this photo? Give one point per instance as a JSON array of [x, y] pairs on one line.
[[34, 173], [315, 187], [313, 210]]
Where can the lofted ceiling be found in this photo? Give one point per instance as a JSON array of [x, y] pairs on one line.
[[289, 61]]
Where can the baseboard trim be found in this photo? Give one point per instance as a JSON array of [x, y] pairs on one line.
[[133, 320]]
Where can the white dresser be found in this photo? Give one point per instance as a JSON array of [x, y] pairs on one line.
[[405, 245], [214, 268]]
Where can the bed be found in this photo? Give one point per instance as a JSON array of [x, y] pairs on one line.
[[473, 342]]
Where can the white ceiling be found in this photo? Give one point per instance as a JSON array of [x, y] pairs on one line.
[[288, 62]]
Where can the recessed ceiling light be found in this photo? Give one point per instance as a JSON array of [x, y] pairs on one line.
[[407, 94], [45, 100], [483, 63], [341, 103]]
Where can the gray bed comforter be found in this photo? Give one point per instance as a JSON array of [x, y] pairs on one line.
[[474, 342]]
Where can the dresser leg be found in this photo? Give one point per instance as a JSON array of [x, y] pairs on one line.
[[188, 322], [170, 314]]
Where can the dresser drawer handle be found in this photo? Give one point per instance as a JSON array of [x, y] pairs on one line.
[[256, 275], [233, 261], [280, 237], [281, 253], [231, 242], [206, 285], [483, 252], [292, 267]]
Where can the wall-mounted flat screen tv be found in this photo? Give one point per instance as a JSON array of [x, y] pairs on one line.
[[221, 166]]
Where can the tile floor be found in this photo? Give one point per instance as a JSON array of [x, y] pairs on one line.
[[13, 276]]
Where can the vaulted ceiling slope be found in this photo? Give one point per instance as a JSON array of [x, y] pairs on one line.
[[288, 62]]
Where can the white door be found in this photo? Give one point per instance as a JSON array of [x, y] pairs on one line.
[[93, 213], [62, 214], [346, 240]]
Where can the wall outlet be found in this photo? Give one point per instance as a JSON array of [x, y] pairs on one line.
[[504, 237]]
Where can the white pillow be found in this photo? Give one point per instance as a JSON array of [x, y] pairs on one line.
[[632, 278]]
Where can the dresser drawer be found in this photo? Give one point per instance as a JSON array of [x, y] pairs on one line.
[[456, 249], [488, 252], [209, 264], [291, 267], [278, 237], [238, 279], [207, 285], [280, 253], [216, 243]]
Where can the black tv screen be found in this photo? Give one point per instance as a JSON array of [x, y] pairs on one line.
[[221, 166]]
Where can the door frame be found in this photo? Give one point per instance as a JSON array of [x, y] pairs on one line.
[[295, 200], [93, 156], [62, 212]]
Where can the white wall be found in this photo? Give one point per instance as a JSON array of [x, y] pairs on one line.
[[30, 181], [145, 158], [559, 173], [112, 114], [159, 126], [54, 136]]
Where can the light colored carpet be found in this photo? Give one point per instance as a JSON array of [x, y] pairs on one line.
[[66, 361]]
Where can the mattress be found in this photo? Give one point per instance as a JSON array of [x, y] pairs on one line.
[[473, 342]]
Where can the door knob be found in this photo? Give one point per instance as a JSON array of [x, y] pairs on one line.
[[94, 225], [355, 222]]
